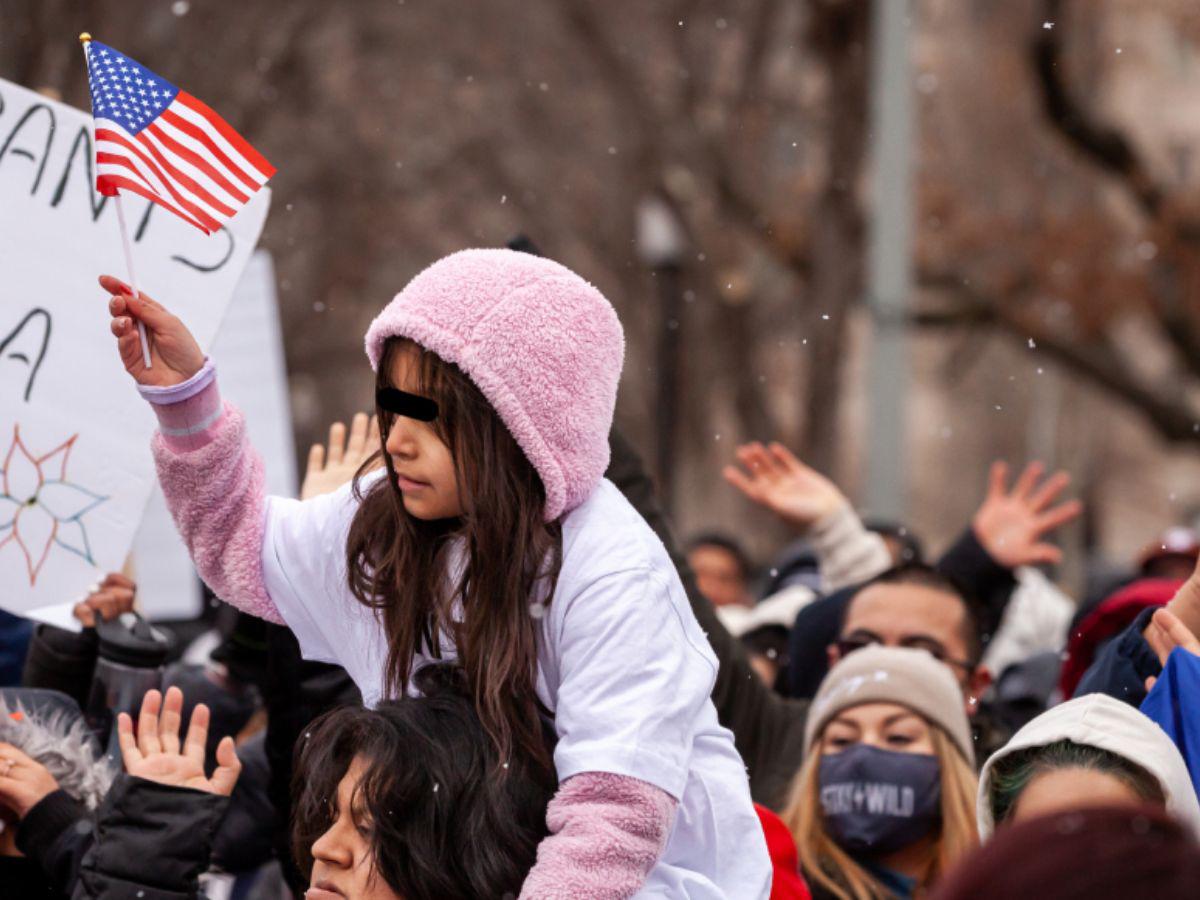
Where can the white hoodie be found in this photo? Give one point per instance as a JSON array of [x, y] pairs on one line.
[[1097, 720]]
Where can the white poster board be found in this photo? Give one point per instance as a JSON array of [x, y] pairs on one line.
[[74, 434], [248, 354]]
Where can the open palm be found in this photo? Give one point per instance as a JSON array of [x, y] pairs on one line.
[[1012, 525], [156, 755], [328, 471], [773, 477]]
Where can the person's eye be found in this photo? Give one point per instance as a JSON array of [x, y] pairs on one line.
[[937, 651], [900, 740], [840, 743]]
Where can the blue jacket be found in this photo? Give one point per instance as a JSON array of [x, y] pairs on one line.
[[1174, 703]]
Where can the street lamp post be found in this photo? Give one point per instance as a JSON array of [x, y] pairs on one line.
[[661, 246]]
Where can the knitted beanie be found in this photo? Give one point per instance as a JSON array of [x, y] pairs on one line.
[[542, 345], [878, 674]]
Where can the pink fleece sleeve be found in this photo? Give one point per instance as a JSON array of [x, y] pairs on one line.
[[606, 833], [213, 482]]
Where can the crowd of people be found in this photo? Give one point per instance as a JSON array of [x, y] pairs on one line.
[[473, 660]]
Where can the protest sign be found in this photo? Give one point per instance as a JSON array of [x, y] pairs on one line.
[[74, 434]]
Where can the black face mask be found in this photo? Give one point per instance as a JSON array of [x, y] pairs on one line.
[[878, 801], [402, 403]]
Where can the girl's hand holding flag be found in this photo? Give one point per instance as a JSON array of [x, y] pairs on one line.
[[175, 355]]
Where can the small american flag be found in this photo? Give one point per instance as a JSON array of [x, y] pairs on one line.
[[160, 142]]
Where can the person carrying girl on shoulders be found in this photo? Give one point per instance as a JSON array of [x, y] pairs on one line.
[[489, 536]]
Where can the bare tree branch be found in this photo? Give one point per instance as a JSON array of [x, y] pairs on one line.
[[1108, 147], [1097, 361], [1103, 144]]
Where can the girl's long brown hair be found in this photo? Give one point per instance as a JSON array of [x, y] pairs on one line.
[[836, 871], [400, 566]]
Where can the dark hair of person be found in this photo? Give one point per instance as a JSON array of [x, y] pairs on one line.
[[399, 565], [438, 827], [726, 543], [1012, 773], [921, 575], [911, 547]]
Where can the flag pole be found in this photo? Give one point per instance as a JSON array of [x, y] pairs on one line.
[[86, 39]]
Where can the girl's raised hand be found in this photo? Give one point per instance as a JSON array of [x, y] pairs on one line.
[[155, 754], [174, 353]]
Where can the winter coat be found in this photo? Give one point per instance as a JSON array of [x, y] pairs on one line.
[[152, 842], [14, 639], [1174, 704], [1097, 720], [788, 883], [61, 660], [55, 833], [1106, 653], [1036, 620]]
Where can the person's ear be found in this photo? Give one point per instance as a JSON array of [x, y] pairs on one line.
[[978, 682], [833, 654]]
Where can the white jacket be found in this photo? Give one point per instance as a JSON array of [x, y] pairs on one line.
[[1036, 619], [1098, 720]]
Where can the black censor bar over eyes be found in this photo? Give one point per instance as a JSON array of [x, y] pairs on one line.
[[410, 406]]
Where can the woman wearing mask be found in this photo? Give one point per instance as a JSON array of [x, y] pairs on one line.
[[884, 803], [1090, 751]]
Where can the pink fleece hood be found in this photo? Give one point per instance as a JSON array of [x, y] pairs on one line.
[[542, 345]]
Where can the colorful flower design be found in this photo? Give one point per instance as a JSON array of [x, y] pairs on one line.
[[39, 507]]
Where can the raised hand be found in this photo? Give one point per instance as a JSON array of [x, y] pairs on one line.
[[174, 353], [155, 753], [774, 478], [113, 596], [1164, 632], [1185, 605], [329, 471], [23, 780], [1012, 525]]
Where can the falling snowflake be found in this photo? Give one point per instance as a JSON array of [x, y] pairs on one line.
[[39, 507]]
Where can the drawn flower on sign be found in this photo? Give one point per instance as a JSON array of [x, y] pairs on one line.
[[39, 507]]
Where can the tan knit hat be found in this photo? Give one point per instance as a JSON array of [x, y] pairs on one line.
[[911, 678]]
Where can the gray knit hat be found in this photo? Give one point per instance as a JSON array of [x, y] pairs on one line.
[[911, 678]]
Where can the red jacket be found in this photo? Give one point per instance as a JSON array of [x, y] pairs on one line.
[[787, 884]]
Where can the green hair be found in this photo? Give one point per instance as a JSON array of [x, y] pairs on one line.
[[1012, 773]]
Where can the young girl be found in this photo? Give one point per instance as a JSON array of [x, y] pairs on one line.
[[885, 801], [490, 536]]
